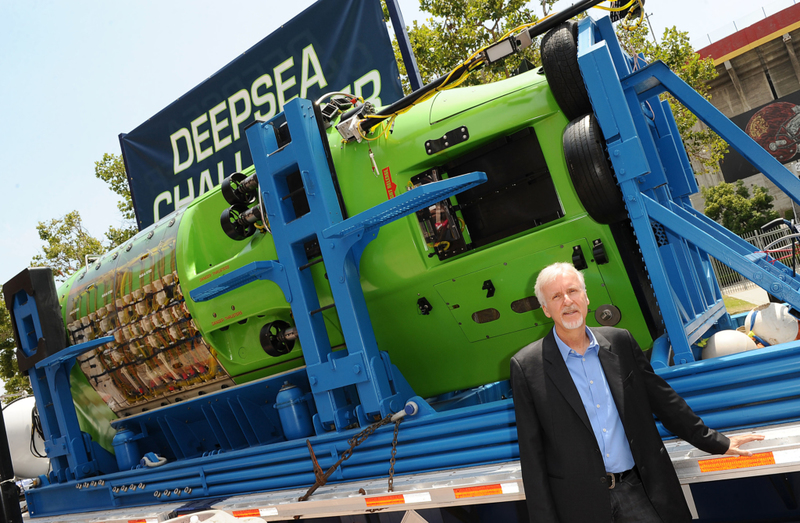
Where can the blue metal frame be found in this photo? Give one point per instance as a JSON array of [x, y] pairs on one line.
[[341, 243], [73, 455], [656, 179], [27, 321], [403, 42]]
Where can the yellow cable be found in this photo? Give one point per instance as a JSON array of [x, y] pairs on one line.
[[625, 24], [638, 22], [449, 83], [471, 63], [442, 242], [616, 8], [364, 137], [446, 84]]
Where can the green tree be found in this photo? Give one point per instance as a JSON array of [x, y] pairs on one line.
[[9, 371], [734, 207], [67, 243], [111, 169], [677, 53], [458, 28]]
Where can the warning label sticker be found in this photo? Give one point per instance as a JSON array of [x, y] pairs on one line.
[[736, 462], [474, 492], [399, 499], [256, 512], [385, 501], [391, 187], [486, 490], [246, 513]]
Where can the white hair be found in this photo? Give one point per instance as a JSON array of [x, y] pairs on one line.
[[550, 273]]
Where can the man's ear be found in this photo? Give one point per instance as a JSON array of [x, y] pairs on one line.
[[546, 312]]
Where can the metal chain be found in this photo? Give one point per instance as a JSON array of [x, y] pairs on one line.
[[355, 441], [394, 454]]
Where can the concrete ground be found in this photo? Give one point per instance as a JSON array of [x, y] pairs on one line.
[[755, 295]]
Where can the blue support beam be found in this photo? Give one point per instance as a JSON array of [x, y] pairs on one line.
[[656, 78], [260, 270], [635, 159], [381, 390], [404, 43], [71, 452], [655, 178]]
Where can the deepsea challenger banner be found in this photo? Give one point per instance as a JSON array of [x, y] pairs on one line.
[[198, 140]]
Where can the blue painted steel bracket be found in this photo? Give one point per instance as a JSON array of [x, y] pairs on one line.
[[631, 158], [341, 244], [404, 204], [656, 78], [269, 270], [757, 267], [26, 316], [72, 352], [71, 452]]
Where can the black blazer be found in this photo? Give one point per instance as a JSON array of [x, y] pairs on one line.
[[562, 466]]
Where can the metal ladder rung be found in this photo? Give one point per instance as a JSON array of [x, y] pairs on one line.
[[418, 198], [315, 311], [238, 278]]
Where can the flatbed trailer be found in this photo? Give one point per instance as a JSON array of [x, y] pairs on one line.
[[462, 451], [777, 455]]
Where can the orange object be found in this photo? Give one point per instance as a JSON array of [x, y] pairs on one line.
[[474, 492], [736, 462]]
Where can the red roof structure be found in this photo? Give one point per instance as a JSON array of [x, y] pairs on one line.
[[750, 37]]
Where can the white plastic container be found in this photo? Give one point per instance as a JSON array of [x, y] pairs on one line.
[[772, 323], [727, 342]]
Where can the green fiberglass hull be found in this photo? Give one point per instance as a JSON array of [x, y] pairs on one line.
[[449, 292]]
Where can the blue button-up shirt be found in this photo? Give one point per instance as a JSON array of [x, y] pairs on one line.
[[590, 380]]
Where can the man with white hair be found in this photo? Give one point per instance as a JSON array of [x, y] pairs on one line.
[[585, 400]]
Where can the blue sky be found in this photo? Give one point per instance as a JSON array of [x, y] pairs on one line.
[[76, 74]]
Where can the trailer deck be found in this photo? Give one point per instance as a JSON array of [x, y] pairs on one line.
[[777, 454]]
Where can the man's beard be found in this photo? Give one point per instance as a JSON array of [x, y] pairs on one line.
[[574, 324]]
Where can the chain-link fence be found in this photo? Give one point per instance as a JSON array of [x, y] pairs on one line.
[[731, 281]]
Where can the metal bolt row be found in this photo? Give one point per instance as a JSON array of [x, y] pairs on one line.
[[125, 488], [86, 484], [167, 492], [132, 487]]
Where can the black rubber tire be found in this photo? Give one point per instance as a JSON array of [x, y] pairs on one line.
[[591, 173], [560, 61]]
